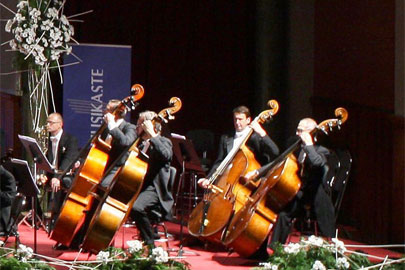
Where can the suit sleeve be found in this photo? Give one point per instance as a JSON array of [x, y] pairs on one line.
[[126, 136], [221, 155], [163, 148], [269, 146], [316, 156]]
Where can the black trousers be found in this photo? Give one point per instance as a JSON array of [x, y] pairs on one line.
[[146, 200]]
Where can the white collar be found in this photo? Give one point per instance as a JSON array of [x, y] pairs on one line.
[[57, 136]]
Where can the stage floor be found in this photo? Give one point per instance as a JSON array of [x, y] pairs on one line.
[[198, 255]]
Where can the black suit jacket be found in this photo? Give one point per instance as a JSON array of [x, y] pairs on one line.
[[315, 192], [160, 154], [8, 191], [263, 148], [123, 136], [67, 152]]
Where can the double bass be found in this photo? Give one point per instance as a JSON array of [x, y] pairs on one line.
[[80, 196], [248, 226], [117, 201], [212, 214]]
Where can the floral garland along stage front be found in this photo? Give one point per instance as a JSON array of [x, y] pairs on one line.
[[41, 35], [314, 253], [137, 256]]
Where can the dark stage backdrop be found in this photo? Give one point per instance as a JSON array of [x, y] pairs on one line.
[[200, 51]]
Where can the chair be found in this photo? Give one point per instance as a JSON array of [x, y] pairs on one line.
[[335, 178], [338, 187], [12, 227]]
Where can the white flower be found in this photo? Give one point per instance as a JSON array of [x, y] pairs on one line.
[[342, 263], [19, 17], [340, 246], [24, 252], [315, 241], [35, 13], [48, 28], [22, 4], [52, 13], [292, 248], [269, 266], [160, 255], [318, 266], [103, 256], [8, 25], [1, 243], [134, 246]]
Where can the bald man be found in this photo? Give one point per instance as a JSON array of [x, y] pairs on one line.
[[312, 160], [62, 150]]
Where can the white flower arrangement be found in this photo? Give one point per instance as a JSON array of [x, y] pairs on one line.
[[160, 255], [24, 253], [104, 256], [317, 254], [134, 246], [41, 32]]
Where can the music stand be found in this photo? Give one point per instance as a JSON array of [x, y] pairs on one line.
[[40, 162], [26, 185], [186, 155]]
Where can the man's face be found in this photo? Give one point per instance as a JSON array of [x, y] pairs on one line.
[[53, 124], [240, 121]]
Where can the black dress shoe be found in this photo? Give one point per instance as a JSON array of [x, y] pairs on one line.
[[60, 246]]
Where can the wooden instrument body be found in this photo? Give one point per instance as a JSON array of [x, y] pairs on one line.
[[79, 198], [212, 215], [287, 186], [117, 204]]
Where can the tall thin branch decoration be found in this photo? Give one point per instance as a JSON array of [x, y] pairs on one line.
[[40, 34]]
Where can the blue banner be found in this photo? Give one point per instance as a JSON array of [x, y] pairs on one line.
[[93, 74]]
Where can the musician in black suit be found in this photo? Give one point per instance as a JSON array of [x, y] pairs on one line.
[[121, 134], [155, 192], [8, 191], [312, 159], [262, 146], [259, 142], [62, 150]]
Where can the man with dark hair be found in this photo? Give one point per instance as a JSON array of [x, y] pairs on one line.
[[121, 134], [259, 142], [156, 191], [312, 159]]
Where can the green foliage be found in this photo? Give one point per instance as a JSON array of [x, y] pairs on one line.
[[315, 253]]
